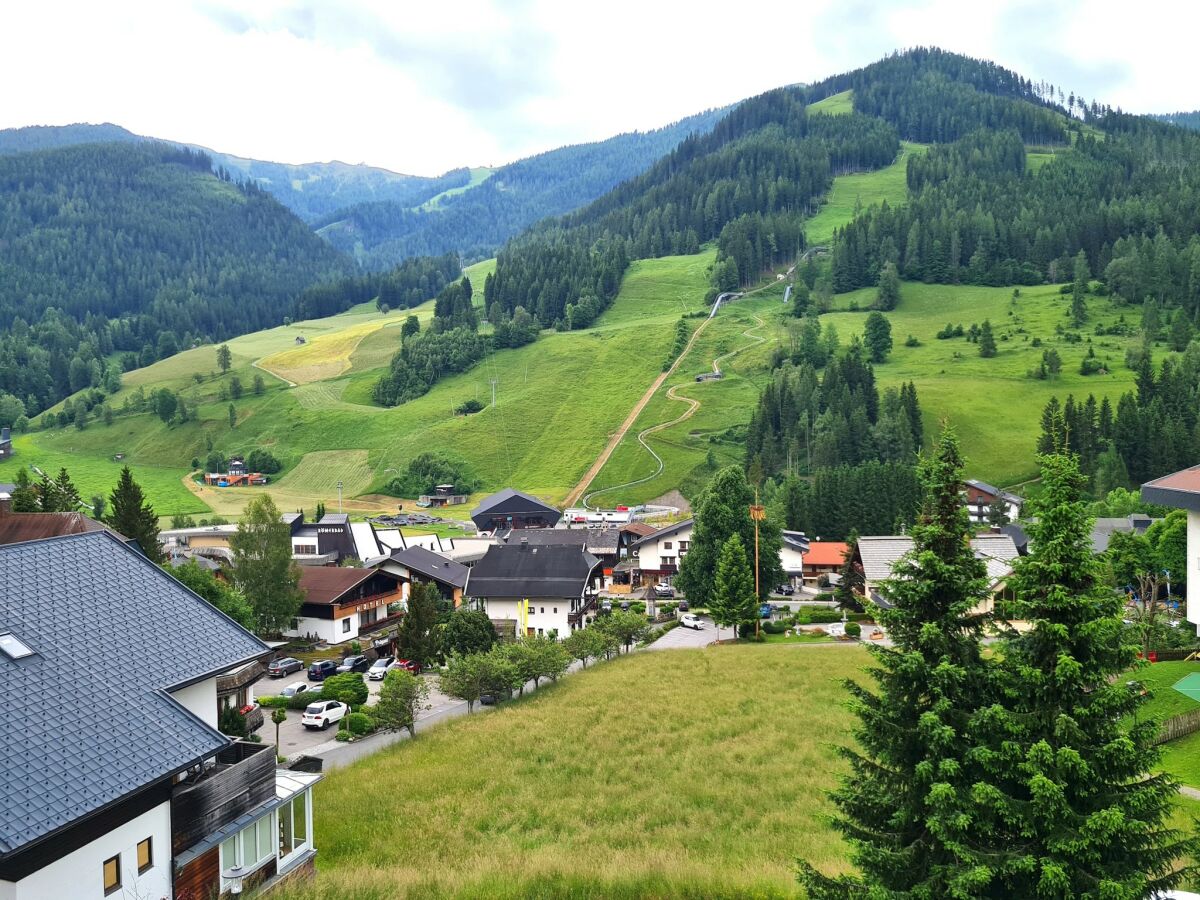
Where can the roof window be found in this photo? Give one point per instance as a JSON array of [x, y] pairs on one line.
[[13, 647]]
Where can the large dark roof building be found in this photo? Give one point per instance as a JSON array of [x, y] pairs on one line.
[[72, 757], [511, 508], [524, 570]]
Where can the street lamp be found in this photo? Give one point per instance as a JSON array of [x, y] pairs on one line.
[[234, 876]]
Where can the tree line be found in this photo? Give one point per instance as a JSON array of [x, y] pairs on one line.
[[410, 283]]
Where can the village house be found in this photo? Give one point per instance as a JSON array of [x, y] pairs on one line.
[[1181, 490], [512, 509], [528, 589], [659, 554], [142, 796], [792, 550], [609, 544], [1105, 527], [340, 604], [823, 559], [877, 556], [416, 565], [978, 496], [328, 542]]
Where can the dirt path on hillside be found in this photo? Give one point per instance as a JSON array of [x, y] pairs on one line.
[[619, 434], [672, 394]]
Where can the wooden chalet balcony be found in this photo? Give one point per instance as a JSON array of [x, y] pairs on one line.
[[243, 778], [589, 604]]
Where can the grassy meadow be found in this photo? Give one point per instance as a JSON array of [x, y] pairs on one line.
[[861, 189], [993, 403], [690, 773], [558, 400], [834, 104]]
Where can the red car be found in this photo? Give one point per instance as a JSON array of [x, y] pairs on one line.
[[407, 665]]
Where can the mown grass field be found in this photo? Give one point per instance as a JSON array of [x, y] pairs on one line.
[[993, 403], [479, 174], [866, 189], [686, 773], [834, 105]]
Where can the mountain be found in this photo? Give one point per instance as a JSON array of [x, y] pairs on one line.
[[476, 221], [117, 254], [310, 190]]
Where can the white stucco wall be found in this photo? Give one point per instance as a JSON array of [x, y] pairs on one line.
[[651, 553], [200, 699], [792, 562], [1193, 573], [327, 630], [81, 874], [547, 621]]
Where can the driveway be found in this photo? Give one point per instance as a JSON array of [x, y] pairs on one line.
[[680, 637]]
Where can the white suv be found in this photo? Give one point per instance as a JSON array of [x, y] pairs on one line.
[[322, 715], [691, 621]]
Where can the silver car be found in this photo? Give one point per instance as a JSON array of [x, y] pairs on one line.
[[379, 668]]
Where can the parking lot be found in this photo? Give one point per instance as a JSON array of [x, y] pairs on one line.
[[294, 738]]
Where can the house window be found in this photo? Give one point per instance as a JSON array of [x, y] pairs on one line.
[[556, 610], [666, 545], [543, 611], [345, 625], [684, 545], [145, 855], [304, 549], [112, 874], [293, 827], [249, 848]]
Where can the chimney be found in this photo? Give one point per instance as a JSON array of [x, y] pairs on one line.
[[524, 544]]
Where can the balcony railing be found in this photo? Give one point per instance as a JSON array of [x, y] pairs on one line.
[[576, 617], [243, 778]]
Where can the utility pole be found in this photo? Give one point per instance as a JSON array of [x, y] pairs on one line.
[[495, 381], [757, 513]]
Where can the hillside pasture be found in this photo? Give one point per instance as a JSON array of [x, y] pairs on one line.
[[614, 782], [994, 404], [834, 104], [866, 189], [327, 355]]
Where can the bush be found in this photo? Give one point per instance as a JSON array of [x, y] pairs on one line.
[[262, 461], [272, 702], [824, 598], [299, 701], [911, 341], [231, 722], [360, 723], [853, 629], [336, 686], [746, 630], [342, 736], [468, 408], [775, 627], [427, 470]]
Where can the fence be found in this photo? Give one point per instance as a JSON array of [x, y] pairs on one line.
[[1178, 726]]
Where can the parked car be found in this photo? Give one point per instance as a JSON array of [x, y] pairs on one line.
[[322, 715], [684, 606], [662, 589], [322, 669], [624, 606], [285, 666], [407, 665], [354, 664], [785, 590], [379, 668], [764, 611], [691, 621], [296, 687], [605, 606]]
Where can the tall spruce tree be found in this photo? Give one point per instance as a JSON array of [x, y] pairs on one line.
[[133, 517], [417, 635], [901, 805], [1065, 805]]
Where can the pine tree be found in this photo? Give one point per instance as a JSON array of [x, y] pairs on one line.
[[1065, 805], [1079, 289], [887, 297], [850, 584], [877, 336], [1181, 331], [224, 358], [733, 601], [1111, 472], [58, 494], [130, 515], [900, 805], [263, 567], [987, 341], [416, 638]]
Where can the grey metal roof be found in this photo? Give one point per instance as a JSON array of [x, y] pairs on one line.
[[604, 541], [90, 600], [432, 565], [528, 501], [994, 491], [797, 540], [516, 570], [880, 553], [1104, 528]]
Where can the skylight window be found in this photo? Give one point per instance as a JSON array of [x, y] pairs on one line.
[[13, 647]]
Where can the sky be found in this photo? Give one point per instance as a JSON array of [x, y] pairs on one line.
[[425, 87]]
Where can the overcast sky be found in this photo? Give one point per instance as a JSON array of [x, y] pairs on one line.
[[422, 87]]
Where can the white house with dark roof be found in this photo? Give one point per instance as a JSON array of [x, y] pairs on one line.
[[136, 793], [535, 590], [978, 496], [659, 554], [1181, 490]]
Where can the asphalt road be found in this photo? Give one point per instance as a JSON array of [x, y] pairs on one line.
[[682, 638]]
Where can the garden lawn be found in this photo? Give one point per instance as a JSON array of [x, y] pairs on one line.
[[1158, 679], [687, 773]]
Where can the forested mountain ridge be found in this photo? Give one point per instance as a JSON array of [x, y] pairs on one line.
[[115, 255], [1190, 120], [310, 190], [475, 222]]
